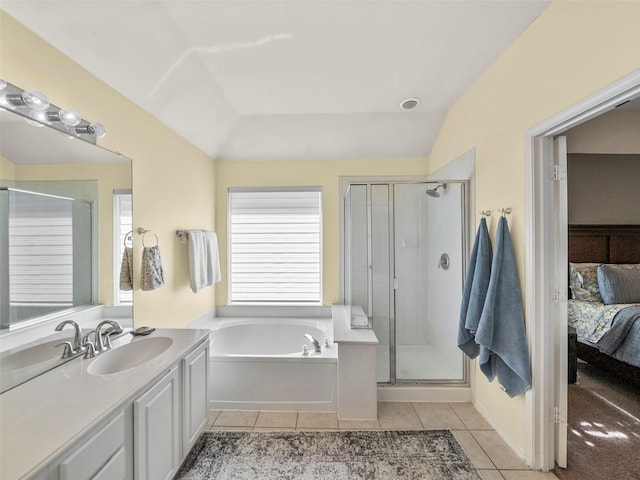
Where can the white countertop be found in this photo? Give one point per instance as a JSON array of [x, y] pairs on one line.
[[43, 416], [343, 333]]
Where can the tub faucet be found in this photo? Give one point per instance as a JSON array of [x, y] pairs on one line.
[[316, 343], [77, 339]]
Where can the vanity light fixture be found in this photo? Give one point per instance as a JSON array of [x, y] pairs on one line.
[[37, 110]]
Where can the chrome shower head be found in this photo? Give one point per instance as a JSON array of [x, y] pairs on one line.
[[433, 192]]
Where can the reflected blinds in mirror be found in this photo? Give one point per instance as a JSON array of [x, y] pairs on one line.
[[123, 237], [40, 250]]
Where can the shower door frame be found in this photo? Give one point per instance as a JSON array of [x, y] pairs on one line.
[[344, 186]]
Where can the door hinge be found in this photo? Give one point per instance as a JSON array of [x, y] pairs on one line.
[[395, 283], [559, 294], [559, 173], [559, 416]]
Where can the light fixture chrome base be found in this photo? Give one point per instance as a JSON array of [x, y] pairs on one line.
[[11, 99]]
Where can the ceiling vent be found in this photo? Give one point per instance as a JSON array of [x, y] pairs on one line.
[[409, 103]]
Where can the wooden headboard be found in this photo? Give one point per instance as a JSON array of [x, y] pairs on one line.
[[604, 243]]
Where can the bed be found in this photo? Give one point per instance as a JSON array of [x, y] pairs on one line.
[[606, 312]]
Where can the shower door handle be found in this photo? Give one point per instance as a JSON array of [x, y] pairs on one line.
[[444, 261]]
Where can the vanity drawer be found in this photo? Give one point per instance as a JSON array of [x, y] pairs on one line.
[[114, 469], [94, 455]]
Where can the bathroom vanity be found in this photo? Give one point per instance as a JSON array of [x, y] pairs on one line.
[[87, 417]]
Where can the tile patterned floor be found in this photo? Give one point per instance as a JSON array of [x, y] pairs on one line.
[[489, 453]]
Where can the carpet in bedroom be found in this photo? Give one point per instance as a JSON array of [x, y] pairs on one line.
[[603, 428], [343, 455]]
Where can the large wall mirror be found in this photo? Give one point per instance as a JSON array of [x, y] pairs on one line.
[[65, 216]]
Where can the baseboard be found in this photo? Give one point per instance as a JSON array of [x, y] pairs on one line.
[[507, 439], [424, 394]]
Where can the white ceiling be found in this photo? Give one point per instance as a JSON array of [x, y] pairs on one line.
[[286, 79]]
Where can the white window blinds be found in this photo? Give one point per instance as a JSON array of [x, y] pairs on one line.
[[40, 250], [123, 234], [275, 246]]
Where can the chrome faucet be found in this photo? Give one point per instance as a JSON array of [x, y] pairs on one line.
[[77, 346], [103, 342], [316, 343]]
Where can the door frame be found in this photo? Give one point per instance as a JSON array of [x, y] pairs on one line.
[[540, 266]]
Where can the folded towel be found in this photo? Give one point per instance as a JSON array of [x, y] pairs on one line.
[[204, 263], [126, 269], [475, 291], [152, 276], [501, 328]]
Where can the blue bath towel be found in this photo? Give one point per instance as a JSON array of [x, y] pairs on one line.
[[501, 329], [475, 291]]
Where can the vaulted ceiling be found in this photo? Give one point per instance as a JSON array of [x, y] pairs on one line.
[[287, 79]]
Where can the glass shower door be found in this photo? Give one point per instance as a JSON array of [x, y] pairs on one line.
[[429, 262]]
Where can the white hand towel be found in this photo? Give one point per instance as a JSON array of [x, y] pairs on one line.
[[204, 263]]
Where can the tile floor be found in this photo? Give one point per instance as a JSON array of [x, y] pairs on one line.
[[488, 452]]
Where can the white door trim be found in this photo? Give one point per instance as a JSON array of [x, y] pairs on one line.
[[539, 447]]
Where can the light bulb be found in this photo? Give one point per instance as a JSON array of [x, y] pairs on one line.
[[39, 115], [35, 99], [69, 117], [97, 129]]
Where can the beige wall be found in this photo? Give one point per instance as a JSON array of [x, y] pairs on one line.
[[603, 189], [173, 182], [323, 173], [7, 169], [617, 131], [571, 51]]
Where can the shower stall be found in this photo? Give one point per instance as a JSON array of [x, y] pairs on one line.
[[405, 249]]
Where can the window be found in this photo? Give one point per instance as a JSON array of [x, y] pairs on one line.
[[275, 240], [122, 237]]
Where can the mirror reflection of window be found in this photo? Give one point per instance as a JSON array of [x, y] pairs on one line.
[[123, 242], [48, 248]]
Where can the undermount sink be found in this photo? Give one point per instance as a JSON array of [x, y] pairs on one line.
[[129, 355]]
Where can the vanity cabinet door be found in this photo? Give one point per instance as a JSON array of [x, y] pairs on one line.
[[195, 368], [97, 452], [156, 436]]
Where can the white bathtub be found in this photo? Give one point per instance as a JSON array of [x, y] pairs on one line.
[[258, 364]]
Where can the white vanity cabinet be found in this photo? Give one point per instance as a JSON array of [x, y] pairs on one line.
[[147, 433], [170, 416], [156, 429], [195, 372]]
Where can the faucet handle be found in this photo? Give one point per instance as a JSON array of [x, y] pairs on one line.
[[68, 349], [106, 338], [91, 349]]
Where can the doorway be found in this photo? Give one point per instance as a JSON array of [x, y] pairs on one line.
[[546, 262]]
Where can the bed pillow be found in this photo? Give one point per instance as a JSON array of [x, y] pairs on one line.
[[583, 281], [619, 284]]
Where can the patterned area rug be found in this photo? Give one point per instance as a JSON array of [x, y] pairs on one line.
[[345, 455]]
